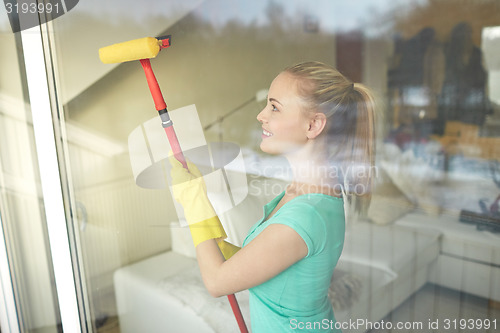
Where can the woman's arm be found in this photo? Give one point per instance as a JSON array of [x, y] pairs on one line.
[[272, 251], [276, 248]]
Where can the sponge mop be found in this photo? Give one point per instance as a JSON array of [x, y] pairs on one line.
[[142, 48]]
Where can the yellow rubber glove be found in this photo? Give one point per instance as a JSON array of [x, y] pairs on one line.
[[227, 249], [190, 191]]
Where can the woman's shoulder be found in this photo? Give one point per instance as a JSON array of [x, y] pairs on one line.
[[312, 205], [317, 199]]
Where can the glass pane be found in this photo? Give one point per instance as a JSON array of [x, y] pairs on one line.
[[433, 68], [21, 202]]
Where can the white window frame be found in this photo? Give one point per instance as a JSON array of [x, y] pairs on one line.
[[39, 96]]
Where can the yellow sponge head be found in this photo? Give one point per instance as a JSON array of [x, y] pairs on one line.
[[142, 48]]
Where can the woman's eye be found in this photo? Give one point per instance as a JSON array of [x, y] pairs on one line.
[[273, 108]]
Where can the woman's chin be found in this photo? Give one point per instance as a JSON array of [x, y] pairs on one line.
[[267, 149], [282, 149]]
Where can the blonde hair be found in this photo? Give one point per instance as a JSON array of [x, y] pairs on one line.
[[350, 129]]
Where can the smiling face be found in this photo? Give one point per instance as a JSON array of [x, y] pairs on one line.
[[285, 121]]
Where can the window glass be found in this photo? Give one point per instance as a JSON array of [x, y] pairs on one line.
[[433, 67]]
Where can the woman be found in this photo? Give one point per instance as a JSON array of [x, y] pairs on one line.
[[324, 125]]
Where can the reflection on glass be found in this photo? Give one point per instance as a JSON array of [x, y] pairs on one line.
[[438, 133]]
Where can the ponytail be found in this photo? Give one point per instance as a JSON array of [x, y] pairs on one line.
[[362, 157]]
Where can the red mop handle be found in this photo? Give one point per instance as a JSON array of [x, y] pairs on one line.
[[161, 107], [237, 313], [153, 85], [174, 144]]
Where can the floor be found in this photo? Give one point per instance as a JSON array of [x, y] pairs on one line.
[[110, 326], [439, 309]]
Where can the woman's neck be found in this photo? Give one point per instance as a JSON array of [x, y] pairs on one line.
[[311, 174]]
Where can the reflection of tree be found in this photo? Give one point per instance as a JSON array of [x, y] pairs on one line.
[[275, 14], [443, 15], [415, 77], [456, 89], [277, 26], [463, 97]]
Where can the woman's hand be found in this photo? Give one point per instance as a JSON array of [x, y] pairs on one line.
[[190, 191]]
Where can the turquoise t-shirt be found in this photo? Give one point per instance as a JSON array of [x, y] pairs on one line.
[[297, 298]]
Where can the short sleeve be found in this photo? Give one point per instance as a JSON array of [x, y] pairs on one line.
[[304, 219]]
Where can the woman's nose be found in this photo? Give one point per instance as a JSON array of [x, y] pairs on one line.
[[260, 116]]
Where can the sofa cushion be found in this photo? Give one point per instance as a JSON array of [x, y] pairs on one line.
[[415, 177], [388, 202], [459, 239], [390, 248]]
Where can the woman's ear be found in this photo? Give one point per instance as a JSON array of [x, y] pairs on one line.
[[316, 125]]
